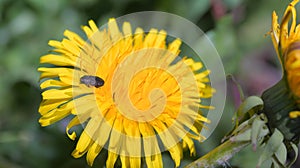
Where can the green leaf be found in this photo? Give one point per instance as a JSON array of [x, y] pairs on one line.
[[281, 154], [271, 147], [276, 163], [257, 127], [237, 130], [250, 103], [244, 136], [295, 148], [265, 131]]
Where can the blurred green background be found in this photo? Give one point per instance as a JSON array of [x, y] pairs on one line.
[[236, 27]]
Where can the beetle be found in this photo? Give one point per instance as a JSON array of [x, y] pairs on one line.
[[90, 80]]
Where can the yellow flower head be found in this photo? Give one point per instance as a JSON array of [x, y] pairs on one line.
[[286, 40], [130, 91]]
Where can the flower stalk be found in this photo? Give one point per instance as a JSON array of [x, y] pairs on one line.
[[220, 155]]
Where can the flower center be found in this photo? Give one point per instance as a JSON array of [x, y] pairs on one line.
[[156, 82], [292, 65]]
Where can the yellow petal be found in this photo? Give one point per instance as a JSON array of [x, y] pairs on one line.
[[75, 121], [57, 114], [154, 161], [114, 30], [150, 38], [275, 32], [150, 142], [176, 154], [128, 38], [167, 137], [48, 105], [116, 141], [111, 159], [93, 26], [104, 135], [58, 93], [55, 44], [294, 114], [83, 145], [52, 83], [74, 37], [132, 137], [92, 126], [161, 38], [55, 72], [125, 161], [135, 162], [190, 145], [285, 32], [174, 46], [89, 33], [57, 60], [207, 92], [127, 29], [71, 47], [138, 38], [92, 153], [91, 130], [68, 80], [85, 106], [54, 116], [197, 66]]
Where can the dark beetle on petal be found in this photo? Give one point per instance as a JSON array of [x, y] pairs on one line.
[[90, 80]]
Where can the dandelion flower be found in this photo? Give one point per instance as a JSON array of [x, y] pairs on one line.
[[282, 101], [286, 41], [130, 92]]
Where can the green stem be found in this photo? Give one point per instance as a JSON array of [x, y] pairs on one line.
[[220, 155]]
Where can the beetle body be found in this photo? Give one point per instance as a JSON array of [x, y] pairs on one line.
[[90, 80]]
